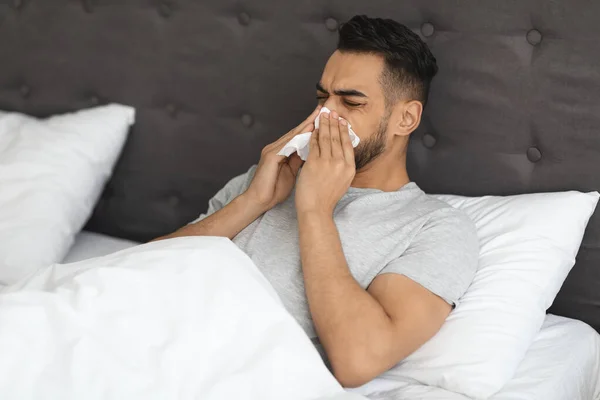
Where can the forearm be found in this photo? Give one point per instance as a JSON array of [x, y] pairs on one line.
[[352, 326], [226, 222]]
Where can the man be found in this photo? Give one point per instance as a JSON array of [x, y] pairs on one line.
[[368, 264]]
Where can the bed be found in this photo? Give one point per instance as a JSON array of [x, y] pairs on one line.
[[563, 362], [92, 244], [515, 109]]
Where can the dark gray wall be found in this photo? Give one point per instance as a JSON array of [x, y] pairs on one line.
[[514, 109]]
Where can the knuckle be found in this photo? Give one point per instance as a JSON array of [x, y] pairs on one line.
[[265, 151], [268, 156]]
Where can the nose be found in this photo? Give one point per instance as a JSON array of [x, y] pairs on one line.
[[331, 104]]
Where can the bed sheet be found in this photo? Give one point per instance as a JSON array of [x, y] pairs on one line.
[[90, 244], [562, 363]]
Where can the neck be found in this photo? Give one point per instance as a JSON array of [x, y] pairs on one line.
[[386, 173]]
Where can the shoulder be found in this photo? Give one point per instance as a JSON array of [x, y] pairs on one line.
[[243, 180], [448, 227], [238, 184], [232, 189], [443, 255], [439, 214], [443, 215]]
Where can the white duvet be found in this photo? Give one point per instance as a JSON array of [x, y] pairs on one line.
[[186, 318]]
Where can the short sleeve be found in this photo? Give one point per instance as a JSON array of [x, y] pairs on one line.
[[443, 256], [230, 191]]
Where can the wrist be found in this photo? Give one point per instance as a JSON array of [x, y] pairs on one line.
[[314, 213], [252, 204]]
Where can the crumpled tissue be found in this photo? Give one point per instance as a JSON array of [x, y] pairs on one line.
[[300, 143]]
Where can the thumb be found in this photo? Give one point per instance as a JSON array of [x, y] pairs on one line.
[[295, 163]]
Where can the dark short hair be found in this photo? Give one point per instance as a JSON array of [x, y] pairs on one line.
[[409, 65]]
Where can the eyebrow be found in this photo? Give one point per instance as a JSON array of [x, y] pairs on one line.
[[342, 92]]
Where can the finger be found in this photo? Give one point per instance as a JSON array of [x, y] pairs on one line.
[[276, 147], [295, 162], [325, 136], [308, 121], [306, 126], [346, 142], [288, 136], [334, 129], [314, 152]]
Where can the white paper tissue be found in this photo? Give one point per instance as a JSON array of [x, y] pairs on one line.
[[300, 143]]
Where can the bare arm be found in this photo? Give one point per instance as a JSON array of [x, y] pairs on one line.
[[364, 332], [273, 181], [226, 222]]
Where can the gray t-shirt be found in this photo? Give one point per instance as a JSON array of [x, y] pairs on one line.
[[404, 232]]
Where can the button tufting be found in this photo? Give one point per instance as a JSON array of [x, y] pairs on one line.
[[88, 6], [331, 24], [173, 200], [534, 37], [165, 9], [429, 140], [534, 154], [25, 90], [244, 18], [94, 100], [247, 120], [17, 4], [427, 29], [172, 110]]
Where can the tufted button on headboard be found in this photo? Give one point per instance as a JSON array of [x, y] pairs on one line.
[[515, 107], [244, 18], [534, 37], [427, 29]]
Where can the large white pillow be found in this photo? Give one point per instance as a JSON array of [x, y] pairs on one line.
[[528, 246], [52, 172]]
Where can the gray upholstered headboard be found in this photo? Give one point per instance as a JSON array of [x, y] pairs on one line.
[[515, 107]]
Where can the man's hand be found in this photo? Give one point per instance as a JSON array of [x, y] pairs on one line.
[[329, 169], [364, 332], [272, 183], [275, 175]]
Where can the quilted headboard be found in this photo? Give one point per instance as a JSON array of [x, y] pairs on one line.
[[515, 107]]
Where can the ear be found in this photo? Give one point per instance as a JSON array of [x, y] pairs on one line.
[[409, 117]]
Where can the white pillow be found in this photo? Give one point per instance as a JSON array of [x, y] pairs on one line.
[[52, 172], [528, 246]]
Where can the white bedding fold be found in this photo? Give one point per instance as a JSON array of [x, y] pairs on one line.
[[184, 318], [563, 363]]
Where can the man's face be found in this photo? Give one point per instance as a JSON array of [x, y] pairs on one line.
[[350, 85]]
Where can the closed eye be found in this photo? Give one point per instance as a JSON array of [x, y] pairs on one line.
[[351, 104], [347, 103]]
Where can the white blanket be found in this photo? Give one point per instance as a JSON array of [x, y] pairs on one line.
[[187, 318]]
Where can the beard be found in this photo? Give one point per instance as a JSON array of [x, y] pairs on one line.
[[373, 147]]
